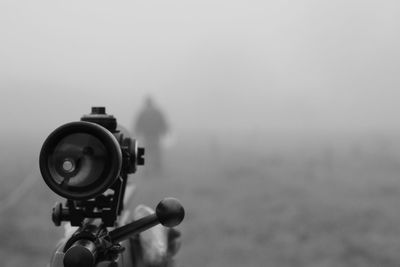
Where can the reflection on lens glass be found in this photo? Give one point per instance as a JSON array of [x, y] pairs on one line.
[[68, 165], [78, 160]]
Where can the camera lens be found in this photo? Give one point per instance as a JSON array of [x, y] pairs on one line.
[[80, 160], [77, 160]]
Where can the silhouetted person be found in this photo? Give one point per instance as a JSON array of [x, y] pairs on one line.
[[151, 126]]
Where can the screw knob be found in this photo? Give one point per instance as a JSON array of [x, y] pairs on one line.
[[57, 215], [170, 212], [140, 156], [98, 110]]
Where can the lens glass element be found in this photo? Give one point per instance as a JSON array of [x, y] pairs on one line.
[[78, 160]]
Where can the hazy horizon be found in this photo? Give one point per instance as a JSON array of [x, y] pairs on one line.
[[250, 66]]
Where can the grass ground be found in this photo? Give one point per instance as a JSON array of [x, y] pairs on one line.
[[255, 204]]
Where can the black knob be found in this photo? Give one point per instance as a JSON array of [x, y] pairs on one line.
[[57, 216], [140, 156], [98, 110], [81, 254], [170, 212]]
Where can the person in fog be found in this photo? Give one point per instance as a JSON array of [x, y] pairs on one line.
[[151, 127]]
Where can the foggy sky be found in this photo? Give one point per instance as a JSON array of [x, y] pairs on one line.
[[212, 65]]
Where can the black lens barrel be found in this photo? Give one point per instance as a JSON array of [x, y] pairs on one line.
[[110, 160]]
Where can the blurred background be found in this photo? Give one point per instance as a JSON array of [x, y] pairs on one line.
[[283, 140]]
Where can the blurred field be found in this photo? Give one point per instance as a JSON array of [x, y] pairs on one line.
[[260, 201]]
